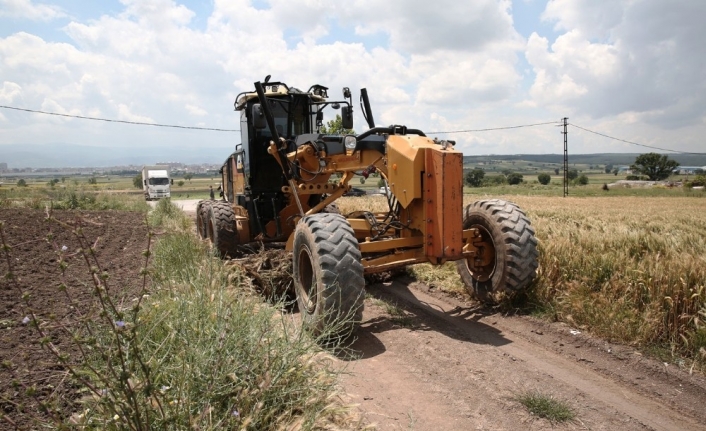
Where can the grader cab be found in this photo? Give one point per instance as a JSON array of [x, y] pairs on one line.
[[281, 183]]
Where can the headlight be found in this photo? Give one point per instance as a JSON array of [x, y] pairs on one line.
[[349, 141]]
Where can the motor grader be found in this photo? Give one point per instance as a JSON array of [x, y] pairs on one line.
[[280, 186]]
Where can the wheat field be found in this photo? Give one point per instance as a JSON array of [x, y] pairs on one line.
[[630, 269]]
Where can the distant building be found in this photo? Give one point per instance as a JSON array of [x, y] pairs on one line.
[[689, 170], [3, 167]]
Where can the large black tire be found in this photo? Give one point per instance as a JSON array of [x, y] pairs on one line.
[[221, 227], [202, 215], [331, 209], [514, 264], [328, 275]]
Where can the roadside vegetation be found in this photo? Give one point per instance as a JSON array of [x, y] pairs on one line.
[[191, 350]]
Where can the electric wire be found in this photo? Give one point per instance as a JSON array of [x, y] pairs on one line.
[[495, 128], [120, 121], [633, 143], [213, 129]]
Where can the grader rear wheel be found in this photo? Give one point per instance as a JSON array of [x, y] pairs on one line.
[[221, 227], [507, 258], [202, 214], [328, 275]]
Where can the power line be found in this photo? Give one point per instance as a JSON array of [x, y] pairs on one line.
[[120, 121], [633, 143], [495, 128]]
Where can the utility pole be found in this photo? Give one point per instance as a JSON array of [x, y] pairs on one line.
[[566, 158]]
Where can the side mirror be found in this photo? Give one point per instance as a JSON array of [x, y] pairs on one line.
[[144, 182], [346, 117], [258, 117], [319, 119], [171, 181]]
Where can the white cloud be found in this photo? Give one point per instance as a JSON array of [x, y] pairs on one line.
[[630, 68], [642, 57], [25, 9], [9, 92]]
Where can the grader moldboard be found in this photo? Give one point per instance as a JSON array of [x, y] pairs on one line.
[[281, 183]]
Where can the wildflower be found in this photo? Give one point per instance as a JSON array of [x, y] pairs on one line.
[[26, 320], [120, 323], [236, 413], [165, 388], [64, 248], [116, 417]]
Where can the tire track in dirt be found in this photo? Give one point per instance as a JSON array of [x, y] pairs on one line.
[[449, 366]]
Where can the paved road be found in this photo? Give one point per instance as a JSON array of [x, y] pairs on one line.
[[186, 205]]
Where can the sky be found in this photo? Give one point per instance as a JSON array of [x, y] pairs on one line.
[[629, 69]]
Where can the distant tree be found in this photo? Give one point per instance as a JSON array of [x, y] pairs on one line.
[[474, 178], [608, 168], [496, 180], [93, 180], [335, 127], [556, 171], [544, 179], [362, 180], [582, 180], [63, 179], [573, 174], [137, 181], [180, 183], [381, 183], [615, 171], [514, 178], [21, 183], [188, 176], [657, 167]]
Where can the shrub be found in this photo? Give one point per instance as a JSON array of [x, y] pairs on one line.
[[514, 178], [21, 183], [474, 178], [699, 181], [582, 180], [544, 179]]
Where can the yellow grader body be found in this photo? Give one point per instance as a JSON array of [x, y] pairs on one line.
[[281, 184]]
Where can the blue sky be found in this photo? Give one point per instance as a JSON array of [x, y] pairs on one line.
[[632, 69]]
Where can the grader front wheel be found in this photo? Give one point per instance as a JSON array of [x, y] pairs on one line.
[[328, 275], [507, 257]]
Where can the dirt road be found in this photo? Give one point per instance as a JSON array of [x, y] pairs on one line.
[[439, 364]]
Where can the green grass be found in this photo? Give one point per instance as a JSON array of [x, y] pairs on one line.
[[546, 406], [192, 351]]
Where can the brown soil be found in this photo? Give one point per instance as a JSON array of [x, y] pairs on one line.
[[438, 363], [118, 238], [452, 365]]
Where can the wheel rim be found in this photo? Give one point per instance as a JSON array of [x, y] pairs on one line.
[[307, 280], [482, 266]]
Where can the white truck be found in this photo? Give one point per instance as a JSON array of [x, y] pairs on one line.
[[156, 182]]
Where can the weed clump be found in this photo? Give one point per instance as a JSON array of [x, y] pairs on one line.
[[190, 350]]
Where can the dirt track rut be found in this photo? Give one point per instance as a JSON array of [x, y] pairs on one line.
[[452, 366]]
